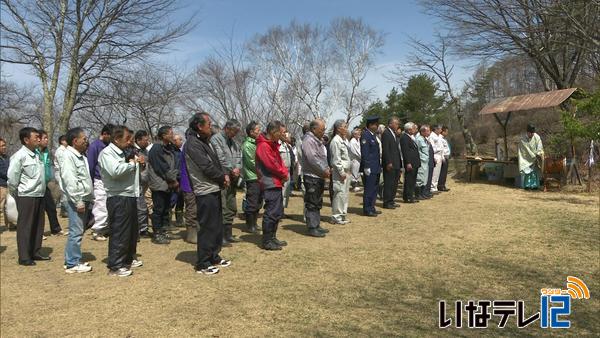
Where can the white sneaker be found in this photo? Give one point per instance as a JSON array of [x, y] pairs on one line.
[[224, 263], [79, 268], [211, 270], [84, 263], [136, 264], [122, 272], [98, 237]]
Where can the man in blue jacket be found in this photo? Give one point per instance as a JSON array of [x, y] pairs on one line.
[[370, 165]]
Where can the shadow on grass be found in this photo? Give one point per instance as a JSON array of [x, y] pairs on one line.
[[571, 200], [187, 257], [252, 238], [2, 248], [297, 228], [45, 251], [87, 257]]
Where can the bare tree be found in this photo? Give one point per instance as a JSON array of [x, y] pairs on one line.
[[557, 35], [301, 53], [355, 46], [145, 97], [20, 107], [86, 38], [433, 59]]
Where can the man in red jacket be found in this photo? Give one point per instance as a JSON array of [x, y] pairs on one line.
[[271, 173]]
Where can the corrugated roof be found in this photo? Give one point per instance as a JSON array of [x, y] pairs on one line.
[[526, 102]]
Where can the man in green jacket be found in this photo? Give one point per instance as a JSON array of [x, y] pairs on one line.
[[253, 193], [26, 183]]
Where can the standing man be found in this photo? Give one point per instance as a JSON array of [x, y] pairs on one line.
[[254, 196], [438, 148], [370, 165], [391, 162], [285, 151], [78, 190], [100, 228], [207, 178], [316, 170], [120, 174], [411, 161], [355, 156], [445, 158], [163, 180], [185, 187], [27, 184], [423, 173], [49, 204], [531, 159], [230, 156], [271, 175], [142, 141], [342, 172], [179, 206], [4, 185], [58, 155]]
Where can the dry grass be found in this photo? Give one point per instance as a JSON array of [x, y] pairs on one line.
[[373, 277]]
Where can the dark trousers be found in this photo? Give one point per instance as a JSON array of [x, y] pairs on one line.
[[254, 197], [161, 200], [443, 174], [30, 226], [430, 177], [313, 200], [210, 229], [370, 194], [390, 185], [180, 201], [410, 181], [273, 213], [123, 223], [50, 207]]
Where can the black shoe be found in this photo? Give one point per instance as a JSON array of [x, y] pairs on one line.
[[161, 238], [370, 214], [377, 212], [41, 258], [389, 207], [410, 201], [271, 246], [443, 189], [145, 234], [251, 223], [323, 230], [226, 244], [315, 233], [27, 262], [279, 242]]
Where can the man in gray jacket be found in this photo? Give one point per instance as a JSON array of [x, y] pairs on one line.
[[163, 180], [120, 174], [77, 187], [315, 171], [26, 183], [230, 157], [207, 178], [342, 172]]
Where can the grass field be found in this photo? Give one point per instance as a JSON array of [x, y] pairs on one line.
[[373, 277]]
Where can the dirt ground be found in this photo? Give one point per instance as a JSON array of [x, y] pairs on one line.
[[375, 277]]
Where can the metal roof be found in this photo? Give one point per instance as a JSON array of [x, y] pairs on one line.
[[526, 102]]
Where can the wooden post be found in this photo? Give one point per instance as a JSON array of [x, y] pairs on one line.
[[504, 126]]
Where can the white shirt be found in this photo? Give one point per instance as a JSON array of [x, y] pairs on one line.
[[434, 139], [355, 149], [445, 146]]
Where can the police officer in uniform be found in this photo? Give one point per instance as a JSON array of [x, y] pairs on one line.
[[370, 165]]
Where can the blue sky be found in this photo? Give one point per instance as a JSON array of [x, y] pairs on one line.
[[242, 19]]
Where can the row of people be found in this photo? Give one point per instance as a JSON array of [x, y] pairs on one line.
[[111, 176]]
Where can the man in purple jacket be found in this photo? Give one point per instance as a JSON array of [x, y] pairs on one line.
[[191, 213], [100, 228]]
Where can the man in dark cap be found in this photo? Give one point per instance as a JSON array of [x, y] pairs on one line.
[[370, 165]]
